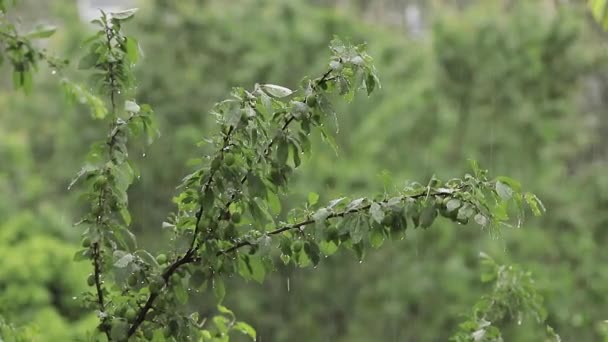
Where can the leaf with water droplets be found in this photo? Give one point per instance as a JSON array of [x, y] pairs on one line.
[[124, 15], [321, 214], [504, 191], [453, 204], [276, 90], [355, 203], [132, 107], [124, 261], [377, 213]]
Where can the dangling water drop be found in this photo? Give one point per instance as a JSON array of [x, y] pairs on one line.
[[53, 72], [288, 287]]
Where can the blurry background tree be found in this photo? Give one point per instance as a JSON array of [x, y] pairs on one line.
[[519, 86]]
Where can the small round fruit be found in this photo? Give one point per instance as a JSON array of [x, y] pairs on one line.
[[156, 286], [297, 246], [121, 311], [86, 242], [332, 233], [236, 217], [229, 159], [161, 259], [149, 334], [130, 314], [132, 280], [311, 101], [215, 163], [91, 280]]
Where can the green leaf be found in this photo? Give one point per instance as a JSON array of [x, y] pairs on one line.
[[124, 261], [282, 152], [427, 217], [17, 79], [88, 61], [504, 191], [535, 204], [224, 310], [355, 204], [132, 107], [256, 185], [357, 229], [321, 215], [246, 329], [313, 198], [119, 329], [180, 293], [126, 216], [258, 271], [219, 289], [377, 213], [274, 203], [208, 199], [41, 31], [312, 251], [453, 204], [377, 238], [599, 11], [124, 15], [276, 91], [481, 220], [132, 48], [328, 247]]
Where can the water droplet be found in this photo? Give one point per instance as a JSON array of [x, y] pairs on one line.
[[143, 154], [360, 261], [53, 72], [74, 298]]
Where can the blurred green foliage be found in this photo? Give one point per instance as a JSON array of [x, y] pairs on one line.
[[521, 89]]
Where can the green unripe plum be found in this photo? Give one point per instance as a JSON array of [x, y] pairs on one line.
[[236, 217], [229, 159], [297, 246], [130, 314], [149, 335], [215, 163], [132, 280], [121, 311], [161, 259], [91, 280], [311, 101], [157, 285], [230, 232], [86, 242], [150, 315]]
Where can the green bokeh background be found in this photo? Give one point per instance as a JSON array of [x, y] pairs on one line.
[[520, 86]]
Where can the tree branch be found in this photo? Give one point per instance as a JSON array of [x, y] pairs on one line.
[[189, 256], [309, 221]]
